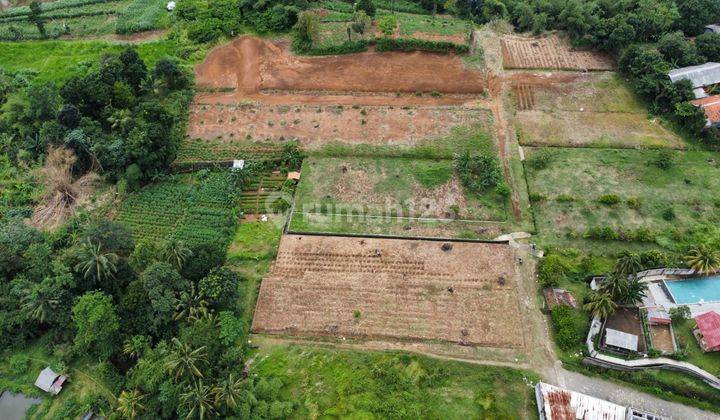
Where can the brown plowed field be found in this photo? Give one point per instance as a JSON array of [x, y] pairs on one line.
[[320, 124], [392, 289], [551, 52], [251, 64]]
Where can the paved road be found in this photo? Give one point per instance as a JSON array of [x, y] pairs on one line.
[[624, 395]]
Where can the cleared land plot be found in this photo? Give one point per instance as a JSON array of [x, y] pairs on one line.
[[661, 337], [584, 110], [392, 289], [664, 202], [251, 64], [319, 124], [384, 186], [193, 208], [550, 52]]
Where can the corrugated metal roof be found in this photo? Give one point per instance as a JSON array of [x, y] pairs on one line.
[[621, 339], [46, 379], [709, 326], [713, 28], [560, 404], [702, 75]]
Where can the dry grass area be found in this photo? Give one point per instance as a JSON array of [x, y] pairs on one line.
[[583, 110], [390, 289], [320, 124], [551, 52]]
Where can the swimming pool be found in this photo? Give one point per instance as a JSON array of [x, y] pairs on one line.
[[706, 289]]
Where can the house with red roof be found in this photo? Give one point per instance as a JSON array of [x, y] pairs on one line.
[[707, 332], [711, 106]]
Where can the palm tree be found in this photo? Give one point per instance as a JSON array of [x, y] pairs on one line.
[[94, 263], [615, 285], [39, 303], [600, 304], [185, 361], [228, 392], [703, 259], [190, 305], [635, 292], [136, 345], [629, 263], [198, 401], [128, 404], [176, 253]]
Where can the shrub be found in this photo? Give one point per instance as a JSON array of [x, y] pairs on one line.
[[634, 203], [537, 197], [668, 214], [19, 364], [679, 314], [366, 6], [609, 199], [601, 233], [551, 270], [478, 173], [306, 31], [541, 159], [387, 24], [502, 189], [569, 325], [564, 198], [205, 30], [664, 159], [412, 44]]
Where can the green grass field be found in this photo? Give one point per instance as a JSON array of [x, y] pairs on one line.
[[334, 383], [708, 361], [664, 202], [58, 61], [196, 208]]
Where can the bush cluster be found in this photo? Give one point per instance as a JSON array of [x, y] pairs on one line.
[[478, 173], [569, 325], [606, 233], [412, 44]]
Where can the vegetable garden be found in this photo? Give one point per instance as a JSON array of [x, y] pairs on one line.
[[196, 208]]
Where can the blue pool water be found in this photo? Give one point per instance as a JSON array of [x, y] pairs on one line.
[[706, 289]]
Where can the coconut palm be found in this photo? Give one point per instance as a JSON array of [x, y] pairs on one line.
[[94, 263], [136, 345], [39, 302], [227, 393], [703, 259], [615, 285], [635, 292], [600, 304], [175, 252], [190, 305], [198, 401], [129, 404], [185, 361], [629, 263]]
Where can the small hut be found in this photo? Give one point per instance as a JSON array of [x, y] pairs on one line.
[[50, 382], [707, 332]]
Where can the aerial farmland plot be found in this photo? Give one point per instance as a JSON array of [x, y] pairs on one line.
[[551, 53], [584, 110], [393, 290]]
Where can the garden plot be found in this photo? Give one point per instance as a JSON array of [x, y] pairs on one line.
[[420, 188], [551, 52], [583, 110], [395, 290], [315, 125], [591, 198], [197, 208]]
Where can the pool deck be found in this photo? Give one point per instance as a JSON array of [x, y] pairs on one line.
[[658, 298]]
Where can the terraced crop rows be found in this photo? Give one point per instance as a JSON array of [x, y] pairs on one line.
[[549, 53], [258, 194], [392, 290], [194, 209]]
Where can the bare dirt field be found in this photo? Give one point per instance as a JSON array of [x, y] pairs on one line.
[[320, 124], [550, 52], [627, 321], [404, 290], [662, 338], [251, 64]]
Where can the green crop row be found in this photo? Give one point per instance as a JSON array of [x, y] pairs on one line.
[[142, 15]]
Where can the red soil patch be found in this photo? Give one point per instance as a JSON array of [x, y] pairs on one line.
[[251, 64], [392, 289], [318, 124]]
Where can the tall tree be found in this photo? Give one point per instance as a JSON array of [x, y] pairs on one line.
[[703, 259], [635, 292], [129, 404], [97, 324], [185, 362], [228, 393], [95, 264], [615, 285], [36, 19], [629, 263], [600, 304], [176, 253], [197, 400]]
